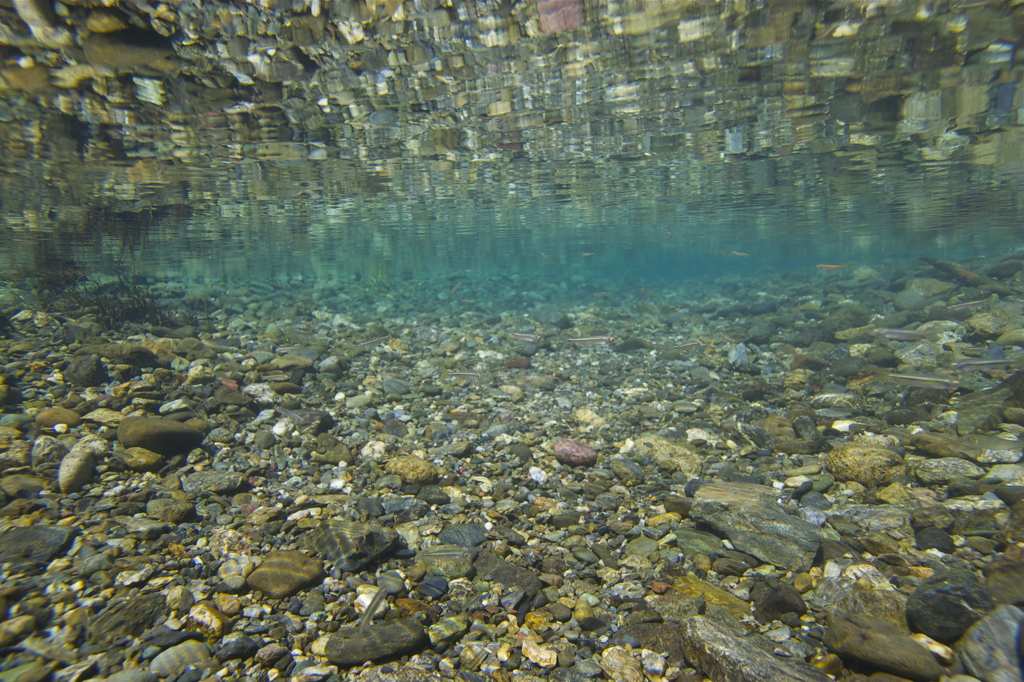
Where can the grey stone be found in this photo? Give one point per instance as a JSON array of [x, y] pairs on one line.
[[459, 448], [881, 645], [86, 370], [640, 546], [28, 547], [628, 471], [350, 646], [945, 469], [726, 657], [751, 518], [697, 541], [775, 599], [126, 618], [147, 528], [220, 482], [490, 566], [990, 647], [463, 534], [1005, 581], [662, 638], [133, 675], [945, 604]]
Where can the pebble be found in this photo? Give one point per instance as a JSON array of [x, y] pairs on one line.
[[159, 435]]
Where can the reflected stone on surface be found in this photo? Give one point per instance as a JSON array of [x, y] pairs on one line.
[[389, 125]]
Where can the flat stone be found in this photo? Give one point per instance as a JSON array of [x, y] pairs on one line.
[[147, 528], [141, 459], [220, 482], [159, 435], [721, 655], [21, 485], [459, 449], [945, 469], [28, 547], [286, 572], [662, 638], [989, 649], [349, 646], [750, 517], [1008, 474], [1004, 579], [690, 588], [882, 646], [181, 657], [942, 445], [697, 541], [490, 566], [463, 534]]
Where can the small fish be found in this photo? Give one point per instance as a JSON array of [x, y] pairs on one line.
[[670, 234], [995, 358], [587, 253], [455, 288], [740, 253], [688, 345], [593, 340], [467, 375], [373, 342], [921, 380], [276, 377], [284, 350], [726, 337], [527, 338], [826, 266], [645, 290], [901, 334], [967, 305], [981, 364]]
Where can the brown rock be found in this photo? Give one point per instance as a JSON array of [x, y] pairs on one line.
[[412, 470], [285, 573], [869, 465], [52, 416], [164, 436]]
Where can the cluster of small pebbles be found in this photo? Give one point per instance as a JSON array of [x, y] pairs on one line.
[[319, 482]]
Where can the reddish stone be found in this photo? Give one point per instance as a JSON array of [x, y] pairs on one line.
[[568, 451], [560, 15], [518, 363]]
